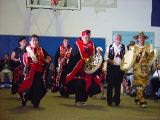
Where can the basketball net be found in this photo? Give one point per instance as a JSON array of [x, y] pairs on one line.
[[54, 4]]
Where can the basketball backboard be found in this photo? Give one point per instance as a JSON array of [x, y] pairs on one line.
[[61, 5]]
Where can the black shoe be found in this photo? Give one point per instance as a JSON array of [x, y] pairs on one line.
[[24, 102], [65, 96], [116, 104], [110, 104], [36, 106], [103, 98], [137, 101], [143, 104]]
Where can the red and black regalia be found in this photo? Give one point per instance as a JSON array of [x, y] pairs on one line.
[[100, 75], [61, 60], [18, 76], [77, 81], [33, 87]]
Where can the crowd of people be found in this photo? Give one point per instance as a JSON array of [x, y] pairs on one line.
[[81, 70]]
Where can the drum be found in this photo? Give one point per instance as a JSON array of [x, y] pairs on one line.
[[128, 60], [152, 57], [93, 64]]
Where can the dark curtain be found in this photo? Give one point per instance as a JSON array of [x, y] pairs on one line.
[[155, 17]]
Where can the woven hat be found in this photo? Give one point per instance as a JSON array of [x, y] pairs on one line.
[[140, 34]]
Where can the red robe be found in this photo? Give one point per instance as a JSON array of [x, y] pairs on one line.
[[32, 66], [84, 51]]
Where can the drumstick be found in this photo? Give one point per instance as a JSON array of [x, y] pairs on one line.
[[142, 55]]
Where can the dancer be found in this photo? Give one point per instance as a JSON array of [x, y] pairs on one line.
[[143, 58], [17, 57], [36, 59], [78, 81], [61, 60], [115, 75]]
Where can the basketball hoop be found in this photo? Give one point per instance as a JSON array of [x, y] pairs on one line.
[[54, 2]]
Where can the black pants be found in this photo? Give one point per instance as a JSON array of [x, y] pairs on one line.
[[155, 84], [79, 88], [114, 78], [37, 90]]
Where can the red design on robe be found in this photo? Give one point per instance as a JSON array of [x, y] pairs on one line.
[[33, 67], [79, 66]]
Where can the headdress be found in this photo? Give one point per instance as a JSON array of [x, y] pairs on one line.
[[140, 34]]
